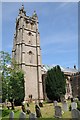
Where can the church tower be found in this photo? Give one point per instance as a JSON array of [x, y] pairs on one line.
[[26, 51]]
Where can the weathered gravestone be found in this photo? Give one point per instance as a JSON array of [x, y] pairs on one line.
[[22, 116], [32, 116], [28, 111], [38, 111], [11, 116], [73, 105], [23, 108], [75, 114], [65, 106], [58, 111], [55, 103], [27, 104], [40, 104]]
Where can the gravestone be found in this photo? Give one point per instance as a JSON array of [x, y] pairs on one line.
[[40, 104], [27, 104], [75, 114], [58, 111], [32, 116], [11, 116], [22, 116], [55, 103], [23, 108], [65, 106], [38, 111], [28, 111], [73, 105]]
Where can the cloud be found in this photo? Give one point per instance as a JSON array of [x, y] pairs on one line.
[[63, 4]]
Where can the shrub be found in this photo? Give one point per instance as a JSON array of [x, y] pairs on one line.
[[78, 105], [5, 112]]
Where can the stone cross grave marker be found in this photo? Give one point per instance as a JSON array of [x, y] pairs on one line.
[[22, 116], [11, 116], [58, 111]]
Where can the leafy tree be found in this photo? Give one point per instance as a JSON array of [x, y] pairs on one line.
[[12, 79], [55, 83], [5, 60], [16, 86]]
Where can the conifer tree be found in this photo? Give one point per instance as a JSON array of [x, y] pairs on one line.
[[55, 83]]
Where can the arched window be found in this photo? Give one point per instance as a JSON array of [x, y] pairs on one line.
[[27, 24], [32, 26], [29, 33], [30, 56]]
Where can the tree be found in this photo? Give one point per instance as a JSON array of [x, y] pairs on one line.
[[12, 79], [16, 86], [5, 60], [55, 83]]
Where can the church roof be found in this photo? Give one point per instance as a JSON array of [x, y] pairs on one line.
[[63, 69]]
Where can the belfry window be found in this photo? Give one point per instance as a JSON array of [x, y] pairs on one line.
[[30, 38], [32, 26]]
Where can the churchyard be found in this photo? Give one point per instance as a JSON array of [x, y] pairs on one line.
[[47, 111]]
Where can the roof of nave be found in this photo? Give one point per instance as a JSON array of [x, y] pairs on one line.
[[63, 69]]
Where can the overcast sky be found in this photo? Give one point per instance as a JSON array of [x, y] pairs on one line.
[[58, 27]]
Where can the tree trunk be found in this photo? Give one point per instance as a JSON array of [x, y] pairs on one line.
[[12, 104]]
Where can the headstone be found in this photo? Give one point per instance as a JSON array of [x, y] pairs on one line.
[[55, 103], [65, 106], [28, 111], [40, 104], [32, 116], [38, 111], [11, 116], [23, 103], [22, 116], [73, 105], [58, 111], [27, 104], [23, 108], [75, 114]]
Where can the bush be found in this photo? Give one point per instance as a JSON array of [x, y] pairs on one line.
[[5, 112], [78, 105], [18, 102]]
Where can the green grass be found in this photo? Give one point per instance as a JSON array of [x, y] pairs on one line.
[[47, 111]]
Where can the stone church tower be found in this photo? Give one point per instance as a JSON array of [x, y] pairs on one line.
[[26, 51]]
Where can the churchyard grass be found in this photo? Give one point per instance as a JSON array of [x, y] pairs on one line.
[[47, 111]]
